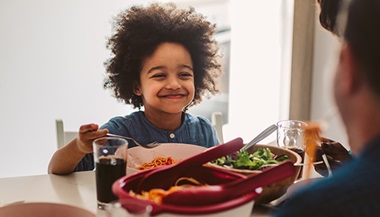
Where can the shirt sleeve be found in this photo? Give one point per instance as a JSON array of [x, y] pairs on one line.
[[86, 164]]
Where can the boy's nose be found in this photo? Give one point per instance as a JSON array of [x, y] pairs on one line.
[[173, 83]]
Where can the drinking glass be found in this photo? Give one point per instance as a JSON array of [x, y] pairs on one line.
[[110, 157], [290, 135]]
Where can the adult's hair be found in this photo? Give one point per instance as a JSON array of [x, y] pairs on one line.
[[328, 14], [363, 36], [138, 32]]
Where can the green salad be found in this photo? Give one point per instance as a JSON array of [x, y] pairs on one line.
[[255, 161]]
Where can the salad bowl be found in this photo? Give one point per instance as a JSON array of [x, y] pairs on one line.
[[272, 191]]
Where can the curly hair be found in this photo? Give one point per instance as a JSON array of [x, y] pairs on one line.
[[138, 32]]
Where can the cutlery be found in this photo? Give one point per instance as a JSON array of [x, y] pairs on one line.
[[324, 157], [173, 172], [150, 145], [213, 194], [269, 130]]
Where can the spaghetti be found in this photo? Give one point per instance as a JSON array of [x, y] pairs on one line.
[[157, 194], [158, 161]]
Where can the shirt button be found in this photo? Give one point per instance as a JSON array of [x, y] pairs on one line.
[[172, 135]]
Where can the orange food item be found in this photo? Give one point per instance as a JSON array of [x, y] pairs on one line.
[[158, 161], [157, 194], [311, 139]]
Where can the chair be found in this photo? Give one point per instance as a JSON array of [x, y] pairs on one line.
[[63, 137], [217, 122]]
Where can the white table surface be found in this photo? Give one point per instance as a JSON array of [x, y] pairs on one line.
[[77, 189]]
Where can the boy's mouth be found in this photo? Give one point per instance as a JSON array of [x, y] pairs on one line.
[[173, 96]]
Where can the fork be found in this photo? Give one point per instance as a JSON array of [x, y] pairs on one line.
[[269, 130], [149, 145]]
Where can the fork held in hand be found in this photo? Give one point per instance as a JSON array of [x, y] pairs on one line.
[[150, 145]]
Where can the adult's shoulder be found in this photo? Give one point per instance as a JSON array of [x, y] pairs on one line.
[[303, 201], [333, 192]]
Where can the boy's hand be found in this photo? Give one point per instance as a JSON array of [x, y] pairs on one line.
[[87, 134]]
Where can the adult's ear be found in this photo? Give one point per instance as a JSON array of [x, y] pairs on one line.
[[352, 77]]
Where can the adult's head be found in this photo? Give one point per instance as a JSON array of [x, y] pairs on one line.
[[357, 81], [140, 30]]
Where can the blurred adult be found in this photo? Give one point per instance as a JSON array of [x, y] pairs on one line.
[[354, 189], [336, 153]]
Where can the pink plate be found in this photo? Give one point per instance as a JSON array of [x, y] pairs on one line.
[[34, 209]]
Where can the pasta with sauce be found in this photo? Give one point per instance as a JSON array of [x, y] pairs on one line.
[[157, 194], [158, 161]]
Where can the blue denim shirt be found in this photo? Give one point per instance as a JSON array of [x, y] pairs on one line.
[[194, 130]]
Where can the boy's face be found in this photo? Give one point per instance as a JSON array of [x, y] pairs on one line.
[[167, 79]]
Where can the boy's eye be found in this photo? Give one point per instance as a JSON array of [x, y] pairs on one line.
[[158, 75], [185, 74]]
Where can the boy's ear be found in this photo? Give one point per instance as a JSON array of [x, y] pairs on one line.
[[136, 89]]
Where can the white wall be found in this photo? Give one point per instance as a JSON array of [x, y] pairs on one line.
[[51, 66], [260, 66]]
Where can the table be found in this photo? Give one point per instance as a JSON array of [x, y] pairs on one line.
[[77, 189]]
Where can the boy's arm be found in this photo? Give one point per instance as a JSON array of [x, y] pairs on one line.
[[67, 158]]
